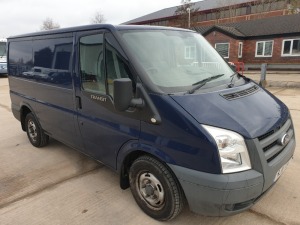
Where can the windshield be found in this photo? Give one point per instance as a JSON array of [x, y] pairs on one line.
[[177, 60], [2, 49]]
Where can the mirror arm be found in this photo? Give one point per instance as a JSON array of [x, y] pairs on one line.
[[149, 113], [137, 103]]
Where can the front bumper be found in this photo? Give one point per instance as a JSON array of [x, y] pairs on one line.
[[219, 194]]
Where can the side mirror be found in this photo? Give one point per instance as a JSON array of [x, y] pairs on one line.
[[123, 99], [122, 93]]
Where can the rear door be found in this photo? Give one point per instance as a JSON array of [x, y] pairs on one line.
[[103, 129]]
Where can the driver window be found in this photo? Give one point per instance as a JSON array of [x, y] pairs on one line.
[[92, 63], [116, 66]]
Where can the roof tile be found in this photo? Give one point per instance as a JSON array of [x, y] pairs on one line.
[[287, 24]]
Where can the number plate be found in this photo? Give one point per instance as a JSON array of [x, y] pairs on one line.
[[281, 170]]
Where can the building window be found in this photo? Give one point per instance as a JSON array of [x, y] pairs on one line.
[[248, 10], [214, 16], [240, 52], [201, 17], [226, 13], [291, 47], [190, 52], [264, 49], [209, 16], [223, 49]]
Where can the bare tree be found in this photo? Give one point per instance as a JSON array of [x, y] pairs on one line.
[[48, 24], [98, 18], [185, 13]]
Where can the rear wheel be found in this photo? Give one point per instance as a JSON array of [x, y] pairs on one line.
[[154, 188], [35, 134]]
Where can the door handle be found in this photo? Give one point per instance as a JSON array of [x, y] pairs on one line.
[[78, 102]]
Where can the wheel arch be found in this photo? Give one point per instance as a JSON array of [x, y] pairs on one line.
[[125, 166], [24, 110], [128, 155]]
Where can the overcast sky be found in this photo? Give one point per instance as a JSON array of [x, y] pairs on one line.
[[24, 16]]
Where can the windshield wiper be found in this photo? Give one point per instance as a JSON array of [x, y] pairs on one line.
[[201, 83], [232, 81]]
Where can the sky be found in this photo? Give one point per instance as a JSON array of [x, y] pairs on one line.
[[26, 16]]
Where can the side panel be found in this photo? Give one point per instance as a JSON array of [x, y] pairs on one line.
[[40, 76]]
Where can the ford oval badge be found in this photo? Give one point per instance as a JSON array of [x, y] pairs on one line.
[[285, 139]]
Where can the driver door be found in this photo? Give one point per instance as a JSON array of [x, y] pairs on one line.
[[103, 129]]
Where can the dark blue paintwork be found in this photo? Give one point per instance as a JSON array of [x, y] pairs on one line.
[[250, 116], [180, 139]]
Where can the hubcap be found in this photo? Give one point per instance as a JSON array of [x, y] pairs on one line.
[[32, 130], [151, 190]]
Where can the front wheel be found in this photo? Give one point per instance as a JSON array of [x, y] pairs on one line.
[[35, 133], [154, 188]]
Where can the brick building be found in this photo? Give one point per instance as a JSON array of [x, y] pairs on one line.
[[274, 40], [252, 32], [211, 12]]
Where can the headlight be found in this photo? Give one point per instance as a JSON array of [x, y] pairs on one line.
[[232, 150]]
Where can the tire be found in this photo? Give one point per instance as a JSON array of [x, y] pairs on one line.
[[154, 189], [34, 131]]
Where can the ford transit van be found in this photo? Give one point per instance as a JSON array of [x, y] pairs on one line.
[[157, 105]]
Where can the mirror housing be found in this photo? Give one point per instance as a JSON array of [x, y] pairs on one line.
[[122, 93]]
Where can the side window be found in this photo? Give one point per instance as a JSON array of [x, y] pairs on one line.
[[116, 66], [92, 63], [20, 58], [52, 61]]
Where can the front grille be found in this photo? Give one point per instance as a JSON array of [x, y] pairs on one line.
[[240, 94], [270, 146], [270, 142], [269, 133], [266, 135]]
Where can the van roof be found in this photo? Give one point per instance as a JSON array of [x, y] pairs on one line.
[[97, 26]]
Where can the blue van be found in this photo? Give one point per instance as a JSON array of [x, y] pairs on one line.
[[159, 106]]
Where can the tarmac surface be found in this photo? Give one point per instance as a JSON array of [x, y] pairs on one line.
[[56, 185]]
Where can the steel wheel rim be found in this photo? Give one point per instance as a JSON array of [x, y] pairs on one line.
[[151, 190], [32, 131]]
